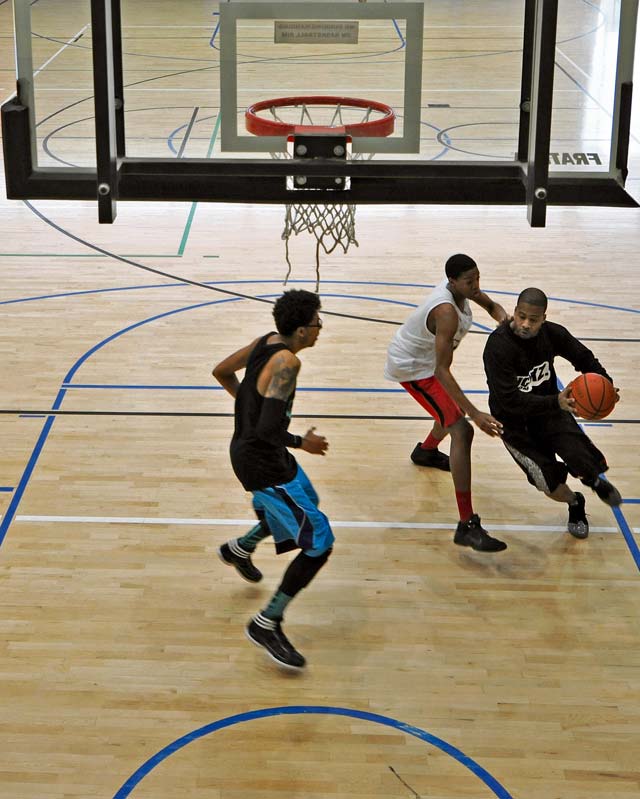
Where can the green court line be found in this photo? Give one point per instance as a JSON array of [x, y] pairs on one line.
[[183, 242], [192, 212]]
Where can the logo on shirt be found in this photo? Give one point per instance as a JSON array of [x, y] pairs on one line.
[[539, 374]]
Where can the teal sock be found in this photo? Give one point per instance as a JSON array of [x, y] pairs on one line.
[[250, 540], [276, 607]]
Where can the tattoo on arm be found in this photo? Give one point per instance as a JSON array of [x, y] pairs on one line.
[[283, 381]]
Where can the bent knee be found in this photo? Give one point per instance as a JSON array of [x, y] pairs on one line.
[[319, 555], [462, 429]]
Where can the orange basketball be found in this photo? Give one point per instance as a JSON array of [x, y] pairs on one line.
[[595, 396]]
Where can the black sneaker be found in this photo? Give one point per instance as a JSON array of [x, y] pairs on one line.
[[430, 457], [471, 534], [607, 492], [234, 555], [268, 634], [578, 525]]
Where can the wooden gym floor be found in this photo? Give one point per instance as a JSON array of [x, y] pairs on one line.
[[433, 672]]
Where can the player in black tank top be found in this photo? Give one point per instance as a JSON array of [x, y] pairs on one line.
[[283, 497], [260, 459]]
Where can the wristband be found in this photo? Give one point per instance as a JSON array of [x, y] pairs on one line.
[[297, 442]]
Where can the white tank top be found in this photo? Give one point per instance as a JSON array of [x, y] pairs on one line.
[[412, 352]]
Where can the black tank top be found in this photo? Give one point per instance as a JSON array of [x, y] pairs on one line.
[[258, 464]]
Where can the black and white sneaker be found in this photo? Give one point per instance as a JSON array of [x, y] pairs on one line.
[[607, 492], [578, 525], [233, 555], [268, 634], [430, 457], [472, 534]]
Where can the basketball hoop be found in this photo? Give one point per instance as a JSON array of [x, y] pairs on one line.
[[334, 118]]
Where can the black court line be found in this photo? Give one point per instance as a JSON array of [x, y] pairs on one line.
[[180, 279], [229, 415], [239, 295], [405, 783], [192, 122]]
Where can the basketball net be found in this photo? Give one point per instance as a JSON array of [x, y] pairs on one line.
[[332, 225]]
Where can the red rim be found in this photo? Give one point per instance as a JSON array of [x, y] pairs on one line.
[[260, 126]]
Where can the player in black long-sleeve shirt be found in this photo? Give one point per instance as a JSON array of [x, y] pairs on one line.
[[538, 423], [284, 500]]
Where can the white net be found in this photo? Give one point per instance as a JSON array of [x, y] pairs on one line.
[[332, 225]]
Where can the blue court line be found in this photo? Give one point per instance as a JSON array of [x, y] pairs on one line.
[[617, 512], [216, 29], [403, 42], [295, 710], [91, 291], [165, 314], [446, 140], [26, 475], [69, 376], [176, 284], [631, 501], [67, 380], [9, 515], [170, 143], [6, 489], [35, 455], [628, 535]]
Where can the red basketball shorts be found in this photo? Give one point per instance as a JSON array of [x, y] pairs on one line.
[[430, 393]]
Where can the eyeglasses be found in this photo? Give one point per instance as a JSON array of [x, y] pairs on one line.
[[318, 324]]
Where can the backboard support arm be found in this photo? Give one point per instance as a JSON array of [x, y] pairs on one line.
[[526, 180]]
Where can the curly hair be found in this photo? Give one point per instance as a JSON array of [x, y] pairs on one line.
[[295, 308]]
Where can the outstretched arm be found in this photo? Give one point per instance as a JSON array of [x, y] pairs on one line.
[[446, 320], [493, 308], [225, 371]]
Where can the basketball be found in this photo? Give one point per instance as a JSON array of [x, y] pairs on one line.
[[595, 396]]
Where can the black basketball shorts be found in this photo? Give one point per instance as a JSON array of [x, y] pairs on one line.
[[549, 448]]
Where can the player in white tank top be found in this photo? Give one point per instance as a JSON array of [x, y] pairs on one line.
[[419, 357], [412, 352]]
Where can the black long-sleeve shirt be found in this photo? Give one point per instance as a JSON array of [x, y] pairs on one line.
[[520, 373]]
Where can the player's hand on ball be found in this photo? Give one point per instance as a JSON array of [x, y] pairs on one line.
[[313, 443]]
